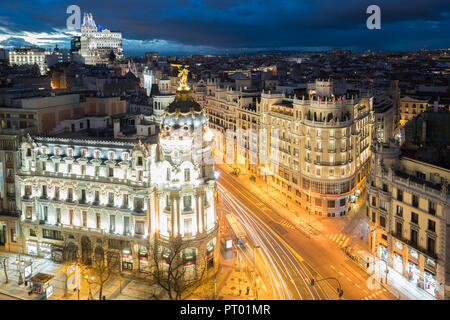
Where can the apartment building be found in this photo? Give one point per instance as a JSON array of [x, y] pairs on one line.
[[408, 207]]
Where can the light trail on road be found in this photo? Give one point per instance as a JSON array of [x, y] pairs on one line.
[[281, 267]]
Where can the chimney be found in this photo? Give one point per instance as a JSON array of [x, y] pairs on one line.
[[116, 127], [435, 106]]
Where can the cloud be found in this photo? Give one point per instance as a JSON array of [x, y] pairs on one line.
[[217, 25]]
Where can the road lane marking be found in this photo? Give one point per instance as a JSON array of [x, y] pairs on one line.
[[341, 273], [345, 242], [332, 267], [349, 279], [340, 235], [357, 285]]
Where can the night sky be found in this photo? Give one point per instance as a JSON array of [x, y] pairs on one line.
[[215, 26]]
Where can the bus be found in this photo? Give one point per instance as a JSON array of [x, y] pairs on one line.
[[237, 229]]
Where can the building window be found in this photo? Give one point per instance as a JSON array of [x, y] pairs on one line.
[[413, 237], [374, 201], [415, 201], [111, 198], [382, 221], [32, 233], [126, 224], [70, 194], [342, 202], [110, 172], [187, 175], [13, 235], [431, 225], [112, 223], [52, 234], [414, 218], [431, 245], [138, 204], [29, 212], [96, 196], [56, 193], [69, 168], [399, 229], [383, 205], [400, 211], [331, 203], [84, 215], [71, 217], [58, 215], [187, 227], [385, 187], [125, 200], [374, 216], [139, 227], [399, 195], [28, 190], [432, 208], [168, 174], [187, 203], [98, 220], [139, 161]]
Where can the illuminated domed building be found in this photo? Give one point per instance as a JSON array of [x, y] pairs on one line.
[[119, 194]]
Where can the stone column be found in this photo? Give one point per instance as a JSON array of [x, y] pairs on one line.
[[202, 206], [197, 213], [172, 217], [178, 216]]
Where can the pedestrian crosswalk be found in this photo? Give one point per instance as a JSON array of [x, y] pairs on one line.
[[375, 295], [287, 224], [341, 239]]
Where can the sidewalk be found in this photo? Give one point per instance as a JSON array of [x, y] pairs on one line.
[[353, 225]]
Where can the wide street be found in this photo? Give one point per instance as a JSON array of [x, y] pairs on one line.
[[291, 258]]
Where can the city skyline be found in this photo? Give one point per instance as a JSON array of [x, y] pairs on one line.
[[219, 27]]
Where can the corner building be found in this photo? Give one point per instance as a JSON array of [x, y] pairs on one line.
[[318, 146], [96, 195]]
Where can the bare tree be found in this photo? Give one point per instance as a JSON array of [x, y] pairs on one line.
[[101, 269], [169, 268], [4, 262], [70, 257]]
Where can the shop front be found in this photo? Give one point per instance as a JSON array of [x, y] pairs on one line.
[[430, 283], [398, 263], [413, 272], [383, 253], [57, 253], [46, 250], [32, 248], [143, 259], [127, 260]]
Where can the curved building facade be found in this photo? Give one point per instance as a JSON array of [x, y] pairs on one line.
[[85, 195]]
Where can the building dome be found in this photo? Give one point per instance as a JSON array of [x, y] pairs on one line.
[[184, 115]]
